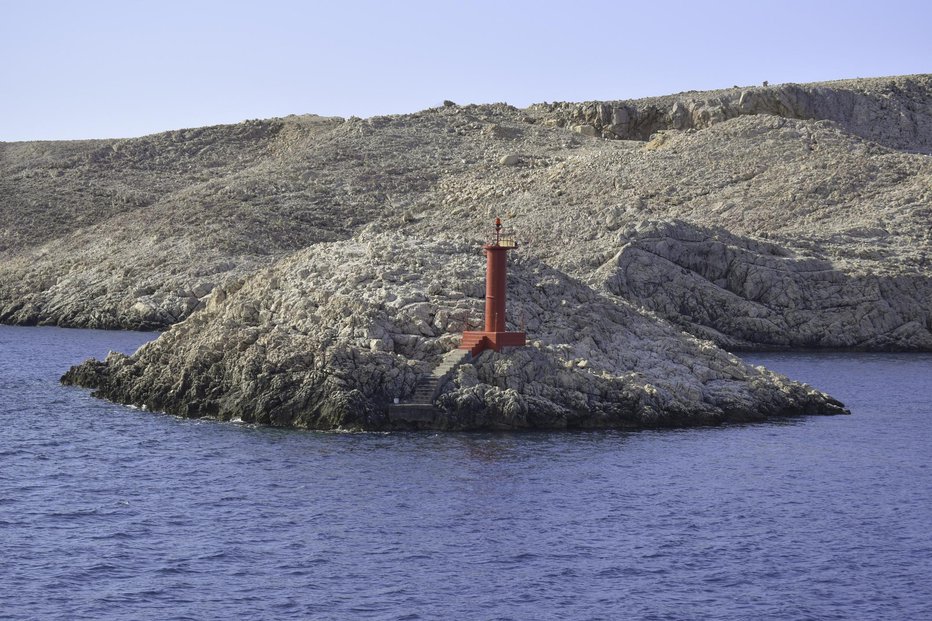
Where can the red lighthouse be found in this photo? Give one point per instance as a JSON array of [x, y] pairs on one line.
[[494, 336]]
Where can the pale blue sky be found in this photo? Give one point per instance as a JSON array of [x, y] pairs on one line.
[[96, 69]]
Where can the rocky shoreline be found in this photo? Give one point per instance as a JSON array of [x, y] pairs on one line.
[[653, 234], [327, 338]]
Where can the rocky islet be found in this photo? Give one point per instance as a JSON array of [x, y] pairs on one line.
[[330, 336], [780, 217]]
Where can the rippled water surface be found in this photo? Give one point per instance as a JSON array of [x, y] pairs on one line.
[[112, 513]]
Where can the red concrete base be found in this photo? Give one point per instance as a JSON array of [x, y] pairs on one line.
[[477, 342]]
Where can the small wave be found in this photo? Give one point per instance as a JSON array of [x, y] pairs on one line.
[[71, 515], [104, 568], [117, 536], [14, 452]]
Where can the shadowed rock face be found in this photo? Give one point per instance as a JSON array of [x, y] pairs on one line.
[[744, 293], [328, 337], [786, 216]]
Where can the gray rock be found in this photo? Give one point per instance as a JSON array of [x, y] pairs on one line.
[[295, 351], [586, 130], [743, 293], [343, 255], [883, 110]]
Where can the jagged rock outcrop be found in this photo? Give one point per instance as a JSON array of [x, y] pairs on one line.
[[785, 216], [328, 336], [894, 112], [135, 233], [745, 293]]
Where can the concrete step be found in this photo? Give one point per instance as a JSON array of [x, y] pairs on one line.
[[427, 386], [412, 413]]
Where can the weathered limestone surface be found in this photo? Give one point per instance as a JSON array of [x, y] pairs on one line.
[[784, 216], [893, 112], [134, 233], [744, 293], [327, 337]]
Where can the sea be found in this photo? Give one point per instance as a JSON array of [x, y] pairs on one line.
[[108, 512]]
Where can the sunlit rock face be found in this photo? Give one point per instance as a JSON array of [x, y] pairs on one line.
[[328, 337], [791, 216]]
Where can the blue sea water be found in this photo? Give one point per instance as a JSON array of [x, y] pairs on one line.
[[112, 513]]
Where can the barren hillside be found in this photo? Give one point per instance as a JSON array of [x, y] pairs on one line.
[[777, 216], [133, 233]]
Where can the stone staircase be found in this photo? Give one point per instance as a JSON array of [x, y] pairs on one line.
[[419, 407], [473, 343]]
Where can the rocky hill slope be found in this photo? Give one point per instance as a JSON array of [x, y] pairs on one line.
[[134, 233], [329, 336], [776, 216]]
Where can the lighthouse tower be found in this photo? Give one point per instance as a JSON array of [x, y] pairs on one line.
[[495, 336]]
